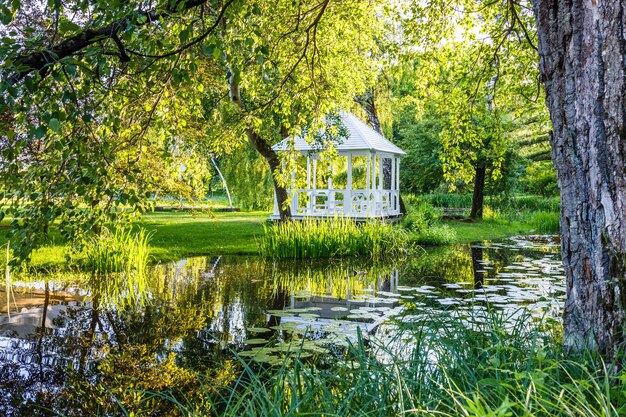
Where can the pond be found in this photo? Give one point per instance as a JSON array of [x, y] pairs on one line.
[[64, 336]]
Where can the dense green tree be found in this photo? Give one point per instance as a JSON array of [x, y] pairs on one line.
[[94, 95], [475, 73]]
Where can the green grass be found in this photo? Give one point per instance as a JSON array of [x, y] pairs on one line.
[[467, 232], [174, 235], [180, 234]]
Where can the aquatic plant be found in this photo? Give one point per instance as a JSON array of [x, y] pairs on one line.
[[337, 237], [433, 366], [118, 249], [545, 222]]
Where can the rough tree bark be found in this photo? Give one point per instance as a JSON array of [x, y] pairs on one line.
[[478, 197], [582, 50]]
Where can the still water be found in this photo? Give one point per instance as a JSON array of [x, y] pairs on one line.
[[65, 331]]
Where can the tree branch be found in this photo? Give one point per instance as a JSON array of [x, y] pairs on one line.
[[41, 60]]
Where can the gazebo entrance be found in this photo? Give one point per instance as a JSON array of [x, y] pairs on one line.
[[362, 182]]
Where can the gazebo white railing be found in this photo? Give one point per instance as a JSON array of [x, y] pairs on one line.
[[374, 194]]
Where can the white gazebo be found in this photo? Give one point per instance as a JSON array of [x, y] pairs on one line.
[[362, 182]]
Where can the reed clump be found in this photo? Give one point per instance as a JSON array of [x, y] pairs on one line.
[[118, 249], [338, 237], [545, 222]]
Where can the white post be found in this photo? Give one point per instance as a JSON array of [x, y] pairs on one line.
[[368, 166], [308, 172], [347, 204], [372, 187], [392, 191], [313, 191], [379, 186], [331, 195], [330, 175], [276, 212], [372, 184], [398, 182], [308, 183], [393, 174], [381, 174]]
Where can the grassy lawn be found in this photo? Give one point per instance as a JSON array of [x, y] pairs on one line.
[[180, 234], [175, 235], [488, 230]]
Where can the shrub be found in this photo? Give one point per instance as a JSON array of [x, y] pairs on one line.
[[422, 223], [436, 234]]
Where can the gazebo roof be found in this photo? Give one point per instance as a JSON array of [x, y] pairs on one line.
[[361, 137]]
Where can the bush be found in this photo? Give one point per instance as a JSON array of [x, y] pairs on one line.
[[437, 234], [422, 223]]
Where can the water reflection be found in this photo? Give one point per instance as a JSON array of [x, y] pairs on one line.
[[69, 336]]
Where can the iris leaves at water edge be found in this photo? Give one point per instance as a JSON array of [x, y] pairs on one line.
[[333, 238]]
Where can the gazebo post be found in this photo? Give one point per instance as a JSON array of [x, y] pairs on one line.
[[398, 182], [381, 178], [294, 193], [314, 191], [348, 196], [330, 202], [308, 183], [392, 188], [368, 167], [308, 172]]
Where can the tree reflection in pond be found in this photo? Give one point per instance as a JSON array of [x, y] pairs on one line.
[[75, 345]]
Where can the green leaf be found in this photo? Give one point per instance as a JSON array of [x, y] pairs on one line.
[[54, 125]]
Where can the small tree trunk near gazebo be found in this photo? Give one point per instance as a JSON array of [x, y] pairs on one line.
[[367, 103], [266, 151], [274, 162], [582, 49], [478, 197]]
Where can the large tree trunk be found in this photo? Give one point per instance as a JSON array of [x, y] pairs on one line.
[[582, 54], [478, 198], [273, 160]]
